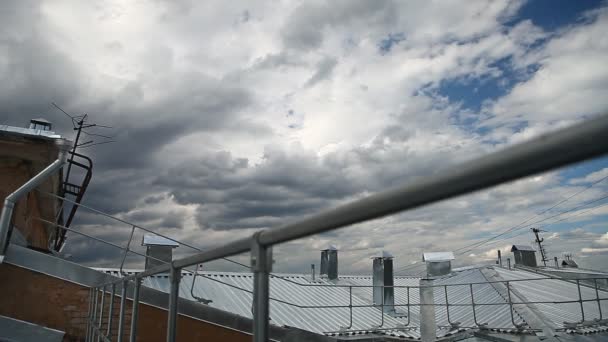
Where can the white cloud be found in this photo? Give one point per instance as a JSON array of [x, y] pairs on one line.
[[570, 82], [313, 114], [591, 178]]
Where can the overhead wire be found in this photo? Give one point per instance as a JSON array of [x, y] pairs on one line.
[[519, 226]]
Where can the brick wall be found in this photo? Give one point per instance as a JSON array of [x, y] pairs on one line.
[[20, 160], [63, 305]]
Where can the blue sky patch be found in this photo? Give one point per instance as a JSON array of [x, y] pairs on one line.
[[553, 14], [387, 43]]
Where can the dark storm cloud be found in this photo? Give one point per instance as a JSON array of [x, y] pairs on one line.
[[304, 27], [232, 193], [193, 103], [33, 72]]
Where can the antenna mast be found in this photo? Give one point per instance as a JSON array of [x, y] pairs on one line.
[[541, 248], [72, 185]]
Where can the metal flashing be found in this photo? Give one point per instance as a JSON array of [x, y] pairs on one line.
[[28, 132], [437, 256], [156, 240], [522, 248]]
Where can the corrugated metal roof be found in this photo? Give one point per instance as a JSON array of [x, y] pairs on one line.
[[554, 290], [217, 286], [220, 288]]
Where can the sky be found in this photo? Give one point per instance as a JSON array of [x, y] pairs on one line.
[[233, 116]]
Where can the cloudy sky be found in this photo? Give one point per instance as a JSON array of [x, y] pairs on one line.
[[235, 116]]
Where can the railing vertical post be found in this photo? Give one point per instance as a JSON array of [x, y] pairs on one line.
[[447, 303], [175, 276], [382, 307], [103, 299], [350, 306], [428, 323], [510, 304], [473, 304], [127, 248], [261, 265], [89, 315], [94, 317], [111, 311], [135, 311], [597, 298], [580, 300], [408, 305], [121, 314]]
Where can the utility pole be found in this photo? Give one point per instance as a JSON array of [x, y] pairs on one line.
[[541, 248]]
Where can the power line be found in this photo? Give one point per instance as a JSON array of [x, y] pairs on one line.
[[519, 226]]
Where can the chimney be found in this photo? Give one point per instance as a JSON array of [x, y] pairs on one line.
[[40, 124], [159, 250], [382, 277], [324, 262], [499, 259], [329, 262], [438, 263], [524, 255]]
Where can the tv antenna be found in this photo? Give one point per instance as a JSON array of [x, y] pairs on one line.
[[81, 126], [541, 248]]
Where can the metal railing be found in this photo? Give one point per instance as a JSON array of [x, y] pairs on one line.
[[580, 142], [577, 143], [97, 318]]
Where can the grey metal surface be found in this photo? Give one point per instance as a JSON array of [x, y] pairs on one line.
[[525, 258], [332, 264], [557, 290], [157, 240], [318, 320], [157, 255], [428, 324], [496, 316], [367, 320], [38, 133], [438, 268], [437, 256], [16, 330]]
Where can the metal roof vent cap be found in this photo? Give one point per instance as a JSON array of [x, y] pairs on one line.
[[41, 124], [438, 263], [383, 281], [159, 250], [329, 262]]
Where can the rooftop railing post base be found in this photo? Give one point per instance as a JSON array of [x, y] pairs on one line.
[[175, 275], [261, 265]]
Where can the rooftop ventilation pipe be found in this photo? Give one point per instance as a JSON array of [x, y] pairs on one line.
[[159, 250], [329, 262], [11, 200], [438, 263], [499, 258], [524, 255], [384, 293]]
